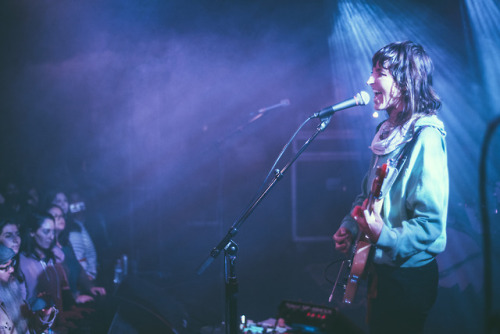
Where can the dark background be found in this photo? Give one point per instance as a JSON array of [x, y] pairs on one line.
[[148, 108]]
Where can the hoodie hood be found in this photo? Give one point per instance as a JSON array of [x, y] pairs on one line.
[[389, 138], [433, 121]]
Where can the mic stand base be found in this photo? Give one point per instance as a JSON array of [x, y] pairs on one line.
[[230, 254]]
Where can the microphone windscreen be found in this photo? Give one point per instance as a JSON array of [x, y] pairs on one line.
[[364, 98]]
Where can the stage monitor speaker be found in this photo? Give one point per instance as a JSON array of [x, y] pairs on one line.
[[134, 318], [324, 184]]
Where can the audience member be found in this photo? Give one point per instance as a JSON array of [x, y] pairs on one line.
[[12, 200], [58, 197], [10, 237], [31, 198], [11, 318], [44, 276], [37, 261], [81, 286], [82, 212], [78, 236], [15, 315]]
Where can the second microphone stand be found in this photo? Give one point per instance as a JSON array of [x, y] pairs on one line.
[[231, 248]]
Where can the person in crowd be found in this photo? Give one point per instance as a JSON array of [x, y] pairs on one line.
[[407, 227], [31, 198], [9, 235], [57, 197], [15, 314], [37, 261], [94, 222], [80, 240], [12, 200], [11, 301], [44, 275], [81, 286]]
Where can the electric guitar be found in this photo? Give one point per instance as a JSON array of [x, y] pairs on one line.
[[362, 246]]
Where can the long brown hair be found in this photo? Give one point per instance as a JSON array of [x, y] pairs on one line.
[[412, 70]]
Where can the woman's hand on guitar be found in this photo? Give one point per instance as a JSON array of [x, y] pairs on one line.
[[369, 220], [343, 239]]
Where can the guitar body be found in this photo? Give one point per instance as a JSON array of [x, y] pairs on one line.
[[363, 246], [358, 268]]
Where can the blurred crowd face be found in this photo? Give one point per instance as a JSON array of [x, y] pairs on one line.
[[60, 222], [33, 197], [12, 191], [62, 201], [10, 237], [6, 271], [44, 236]]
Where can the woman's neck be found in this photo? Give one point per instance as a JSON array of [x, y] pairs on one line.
[[394, 116], [40, 253]]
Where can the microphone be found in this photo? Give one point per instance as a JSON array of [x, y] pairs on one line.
[[283, 103], [360, 99]]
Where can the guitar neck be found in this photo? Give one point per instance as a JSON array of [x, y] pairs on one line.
[[371, 202]]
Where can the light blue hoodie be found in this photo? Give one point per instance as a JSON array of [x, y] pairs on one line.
[[416, 206]]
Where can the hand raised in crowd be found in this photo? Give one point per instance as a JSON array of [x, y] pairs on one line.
[[97, 290], [82, 299]]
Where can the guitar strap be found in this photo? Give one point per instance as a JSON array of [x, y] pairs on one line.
[[401, 158], [396, 164]]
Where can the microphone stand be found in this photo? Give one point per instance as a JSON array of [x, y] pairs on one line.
[[231, 248], [492, 321]]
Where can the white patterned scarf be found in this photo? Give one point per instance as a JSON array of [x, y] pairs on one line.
[[389, 137]]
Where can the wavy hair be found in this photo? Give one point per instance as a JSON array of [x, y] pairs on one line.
[[33, 222], [12, 303], [412, 70]]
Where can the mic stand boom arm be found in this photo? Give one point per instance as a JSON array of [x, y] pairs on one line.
[[230, 247]]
